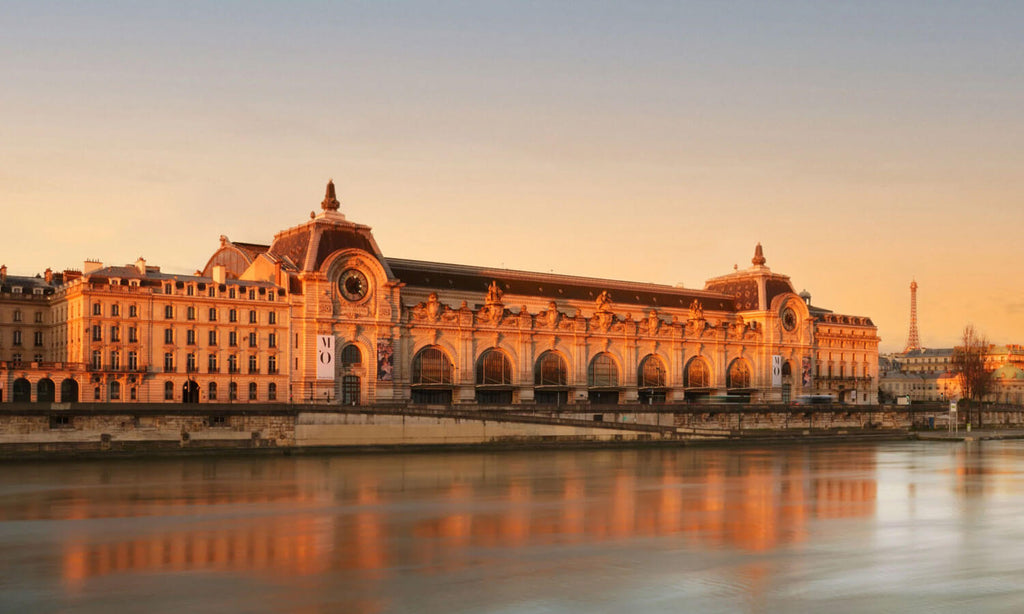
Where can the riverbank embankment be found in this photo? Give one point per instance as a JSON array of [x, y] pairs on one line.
[[102, 430]]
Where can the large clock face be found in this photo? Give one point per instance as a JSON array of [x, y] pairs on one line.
[[789, 319], [353, 285]]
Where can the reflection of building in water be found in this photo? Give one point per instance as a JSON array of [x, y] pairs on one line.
[[285, 544], [361, 521]]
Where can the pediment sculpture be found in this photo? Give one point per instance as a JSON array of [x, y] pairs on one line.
[[550, 317]]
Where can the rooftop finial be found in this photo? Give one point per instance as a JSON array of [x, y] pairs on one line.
[[758, 258], [330, 200]]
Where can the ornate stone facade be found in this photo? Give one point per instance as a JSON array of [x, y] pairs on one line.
[[404, 331]]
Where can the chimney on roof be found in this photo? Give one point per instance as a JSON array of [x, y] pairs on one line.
[[219, 273], [330, 202], [48, 275], [3, 274], [91, 265], [140, 265]]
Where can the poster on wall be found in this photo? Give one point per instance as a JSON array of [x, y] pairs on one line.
[[385, 360], [806, 370], [776, 371], [324, 357]]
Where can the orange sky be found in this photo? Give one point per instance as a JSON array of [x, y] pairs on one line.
[[862, 145]]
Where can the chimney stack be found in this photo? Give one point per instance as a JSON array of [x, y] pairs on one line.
[[219, 273]]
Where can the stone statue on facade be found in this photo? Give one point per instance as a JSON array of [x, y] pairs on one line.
[[494, 294]]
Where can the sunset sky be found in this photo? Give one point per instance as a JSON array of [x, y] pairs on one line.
[[863, 144]]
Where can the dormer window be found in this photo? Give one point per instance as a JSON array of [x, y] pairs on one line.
[[38, 291], [16, 290]]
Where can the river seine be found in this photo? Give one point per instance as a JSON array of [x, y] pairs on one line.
[[926, 527]]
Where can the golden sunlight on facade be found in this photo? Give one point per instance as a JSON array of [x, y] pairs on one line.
[[321, 315]]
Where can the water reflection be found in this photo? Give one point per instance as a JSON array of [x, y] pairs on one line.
[[307, 516], [375, 523]]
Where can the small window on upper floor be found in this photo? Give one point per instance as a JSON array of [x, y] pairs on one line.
[[39, 317], [190, 290], [97, 309]]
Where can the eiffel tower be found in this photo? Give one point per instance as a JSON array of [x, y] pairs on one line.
[[913, 339]]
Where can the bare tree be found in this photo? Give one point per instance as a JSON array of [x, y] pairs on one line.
[[969, 366]]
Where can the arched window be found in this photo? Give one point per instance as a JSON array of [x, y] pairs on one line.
[[351, 356], [271, 391], [494, 378], [603, 372], [651, 373], [551, 370], [494, 369], [45, 391], [211, 391], [738, 375], [252, 391], [431, 366], [697, 374], [432, 377], [233, 391], [69, 391], [551, 377], [168, 391], [22, 391]]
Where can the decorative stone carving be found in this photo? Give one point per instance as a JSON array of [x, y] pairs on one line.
[[550, 317], [602, 320], [494, 294], [491, 314], [651, 324], [696, 310]]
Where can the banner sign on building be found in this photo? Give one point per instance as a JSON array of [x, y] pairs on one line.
[[325, 357], [806, 372], [776, 371], [385, 360]]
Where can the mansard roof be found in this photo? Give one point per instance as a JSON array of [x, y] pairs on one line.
[[308, 245], [155, 276], [440, 277], [28, 285]]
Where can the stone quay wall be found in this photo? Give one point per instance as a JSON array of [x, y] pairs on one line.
[[56, 430]]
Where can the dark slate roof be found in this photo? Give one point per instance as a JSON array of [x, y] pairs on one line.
[[152, 275], [29, 284], [442, 277], [927, 352]]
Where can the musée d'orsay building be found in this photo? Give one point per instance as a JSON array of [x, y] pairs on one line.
[[321, 314]]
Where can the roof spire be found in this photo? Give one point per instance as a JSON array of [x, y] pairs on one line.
[[330, 200], [758, 258]]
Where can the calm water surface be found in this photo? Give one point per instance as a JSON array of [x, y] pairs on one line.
[[936, 527]]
